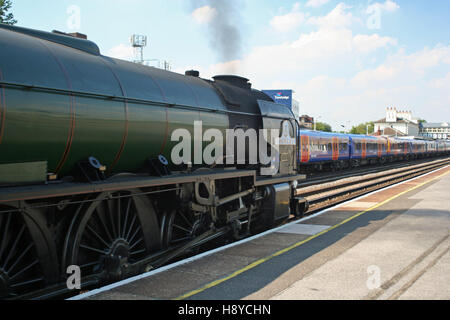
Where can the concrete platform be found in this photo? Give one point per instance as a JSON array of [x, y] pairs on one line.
[[392, 244]]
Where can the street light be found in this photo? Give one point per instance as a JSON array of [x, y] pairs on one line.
[[346, 127], [315, 122]]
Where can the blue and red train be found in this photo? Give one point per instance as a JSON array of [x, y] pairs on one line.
[[319, 150]]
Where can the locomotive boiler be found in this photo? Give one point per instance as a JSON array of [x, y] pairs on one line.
[[86, 171]]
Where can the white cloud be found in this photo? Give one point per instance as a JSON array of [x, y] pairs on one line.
[[204, 15], [428, 58], [441, 83], [388, 6], [122, 51], [400, 80], [289, 21], [375, 76], [342, 75], [337, 18], [316, 3], [365, 43]]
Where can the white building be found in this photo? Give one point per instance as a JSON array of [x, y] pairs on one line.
[[435, 130], [398, 123]]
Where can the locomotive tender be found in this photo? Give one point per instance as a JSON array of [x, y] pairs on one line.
[[87, 175]]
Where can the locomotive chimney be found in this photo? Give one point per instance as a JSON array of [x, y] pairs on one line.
[[73, 34], [192, 73], [78, 35]]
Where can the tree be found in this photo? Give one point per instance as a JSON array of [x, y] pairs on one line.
[[5, 17], [362, 128], [320, 126]]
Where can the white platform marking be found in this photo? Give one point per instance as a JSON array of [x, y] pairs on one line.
[[307, 229]]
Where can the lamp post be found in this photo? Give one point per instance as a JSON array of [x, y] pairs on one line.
[[315, 122], [346, 127]]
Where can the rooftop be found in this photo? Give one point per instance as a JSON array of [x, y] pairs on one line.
[[389, 132], [435, 125], [399, 120]]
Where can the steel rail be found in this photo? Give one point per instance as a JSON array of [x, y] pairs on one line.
[[347, 191], [315, 179], [304, 191]]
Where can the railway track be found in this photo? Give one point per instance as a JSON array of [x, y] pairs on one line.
[[322, 177], [318, 193], [326, 192]]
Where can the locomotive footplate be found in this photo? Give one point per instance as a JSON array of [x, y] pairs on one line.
[[61, 189]]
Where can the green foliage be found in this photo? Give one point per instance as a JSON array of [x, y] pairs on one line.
[[422, 121], [5, 17], [362, 128], [320, 126]]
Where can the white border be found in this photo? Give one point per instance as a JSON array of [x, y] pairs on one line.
[[208, 253]]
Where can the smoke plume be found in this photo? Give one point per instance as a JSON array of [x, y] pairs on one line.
[[223, 23]]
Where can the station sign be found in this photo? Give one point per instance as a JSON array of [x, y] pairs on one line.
[[281, 96]]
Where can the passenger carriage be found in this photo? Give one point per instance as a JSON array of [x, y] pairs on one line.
[[318, 149]]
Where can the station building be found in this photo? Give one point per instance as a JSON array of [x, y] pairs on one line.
[[306, 122], [397, 123], [435, 130]]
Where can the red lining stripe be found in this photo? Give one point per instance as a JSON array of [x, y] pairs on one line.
[[71, 132], [166, 137], [125, 134], [2, 108]]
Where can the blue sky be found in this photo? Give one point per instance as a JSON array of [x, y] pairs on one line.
[[347, 60]]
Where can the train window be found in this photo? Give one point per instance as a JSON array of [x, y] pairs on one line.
[[315, 146]]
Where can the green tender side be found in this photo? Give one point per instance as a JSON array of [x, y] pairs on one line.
[[27, 172], [58, 104]]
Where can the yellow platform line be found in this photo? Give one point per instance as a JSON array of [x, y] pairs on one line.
[[276, 254]]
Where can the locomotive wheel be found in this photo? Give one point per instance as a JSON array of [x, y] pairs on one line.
[[27, 254], [183, 227], [111, 232]]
